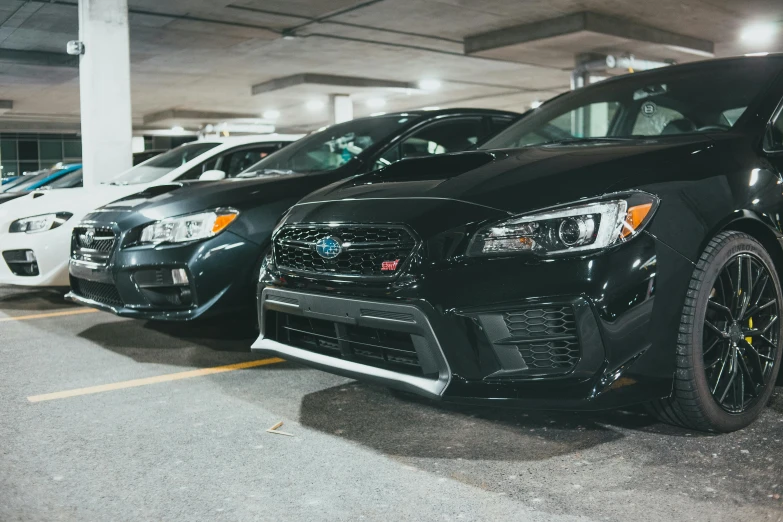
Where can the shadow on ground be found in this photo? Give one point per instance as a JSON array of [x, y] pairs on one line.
[[407, 426], [42, 300], [201, 344]]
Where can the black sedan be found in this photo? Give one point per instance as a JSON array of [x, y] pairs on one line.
[[619, 245], [179, 252]]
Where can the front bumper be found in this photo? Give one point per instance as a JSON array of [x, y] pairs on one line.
[[137, 281], [50, 249], [624, 306]]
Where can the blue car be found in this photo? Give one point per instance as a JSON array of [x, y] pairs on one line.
[[67, 176]]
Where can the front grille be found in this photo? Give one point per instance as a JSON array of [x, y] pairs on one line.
[[388, 349], [546, 337], [92, 244], [100, 292], [367, 250]]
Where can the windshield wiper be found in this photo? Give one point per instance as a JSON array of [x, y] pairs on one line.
[[262, 172], [602, 139]]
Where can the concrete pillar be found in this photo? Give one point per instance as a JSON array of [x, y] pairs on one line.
[[340, 108], [104, 82]]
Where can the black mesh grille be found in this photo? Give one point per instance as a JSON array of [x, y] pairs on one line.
[[546, 337], [92, 244], [380, 348], [369, 251], [100, 292], [537, 322], [563, 354]]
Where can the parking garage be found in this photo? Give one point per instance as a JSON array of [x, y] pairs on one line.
[[271, 276]]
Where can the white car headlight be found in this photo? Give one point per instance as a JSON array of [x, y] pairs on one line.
[[577, 228], [42, 223], [191, 227]]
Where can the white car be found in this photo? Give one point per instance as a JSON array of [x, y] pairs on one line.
[[35, 230]]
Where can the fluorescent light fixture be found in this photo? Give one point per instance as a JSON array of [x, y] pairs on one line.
[[376, 103], [271, 114], [765, 53], [377, 114], [536, 104], [688, 50], [315, 105], [761, 33], [429, 85], [177, 128], [432, 108]]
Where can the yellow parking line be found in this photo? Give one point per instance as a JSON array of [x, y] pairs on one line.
[[50, 314], [152, 380]]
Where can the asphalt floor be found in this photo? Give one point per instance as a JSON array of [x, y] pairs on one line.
[[104, 418]]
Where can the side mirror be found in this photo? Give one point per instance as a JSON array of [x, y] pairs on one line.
[[212, 175]]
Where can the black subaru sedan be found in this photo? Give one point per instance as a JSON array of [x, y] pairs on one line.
[[179, 252], [620, 245]]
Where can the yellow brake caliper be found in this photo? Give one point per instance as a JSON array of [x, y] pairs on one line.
[[749, 340]]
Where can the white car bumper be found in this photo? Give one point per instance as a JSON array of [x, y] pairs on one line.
[[51, 249]]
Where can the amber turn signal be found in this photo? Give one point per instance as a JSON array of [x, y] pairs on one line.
[[222, 221], [634, 218]]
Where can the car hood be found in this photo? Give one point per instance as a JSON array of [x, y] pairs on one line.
[[77, 201], [176, 199], [518, 180]]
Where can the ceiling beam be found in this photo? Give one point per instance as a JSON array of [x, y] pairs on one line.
[[204, 116], [20, 16], [38, 58], [585, 22], [329, 80]]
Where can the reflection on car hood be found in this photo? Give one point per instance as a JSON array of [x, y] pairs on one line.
[[517, 180]]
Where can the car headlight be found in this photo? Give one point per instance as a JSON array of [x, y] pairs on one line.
[[191, 227], [578, 228], [42, 223]]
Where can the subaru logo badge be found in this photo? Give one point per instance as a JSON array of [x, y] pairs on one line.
[[329, 247], [87, 237]]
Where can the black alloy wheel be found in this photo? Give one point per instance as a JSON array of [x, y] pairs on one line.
[[728, 352]]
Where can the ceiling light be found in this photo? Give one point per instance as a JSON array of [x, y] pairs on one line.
[[376, 103], [430, 108], [315, 105], [177, 128], [758, 33], [377, 114], [765, 53], [271, 115], [536, 104], [429, 85]]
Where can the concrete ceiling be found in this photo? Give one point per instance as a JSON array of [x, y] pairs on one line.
[[206, 55]]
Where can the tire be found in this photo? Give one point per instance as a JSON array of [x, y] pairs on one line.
[[707, 396]]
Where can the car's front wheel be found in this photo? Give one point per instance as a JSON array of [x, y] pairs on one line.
[[728, 347]]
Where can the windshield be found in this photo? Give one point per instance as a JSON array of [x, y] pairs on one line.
[[25, 182], [70, 180], [161, 165], [667, 102], [330, 148]]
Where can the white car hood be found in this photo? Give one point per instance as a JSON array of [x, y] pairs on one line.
[[77, 201]]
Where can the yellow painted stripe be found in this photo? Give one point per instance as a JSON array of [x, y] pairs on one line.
[[152, 380], [50, 314]]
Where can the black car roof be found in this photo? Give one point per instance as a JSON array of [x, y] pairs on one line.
[[444, 112]]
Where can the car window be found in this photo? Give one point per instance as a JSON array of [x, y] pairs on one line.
[[775, 136], [332, 147], [162, 164], [653, 120], [241, 160], [70, 180], [27, 182], [498, 123], [686, 100], [451, 135]]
